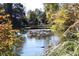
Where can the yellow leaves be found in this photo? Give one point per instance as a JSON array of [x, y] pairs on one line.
[[54, 28], [59, 21], [61, 13], [7, 15], [48, 14]]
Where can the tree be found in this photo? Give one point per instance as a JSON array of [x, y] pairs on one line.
[[17, 14], [41, 16], [33, 21], [8, 9], [50, 10], [19, 17]]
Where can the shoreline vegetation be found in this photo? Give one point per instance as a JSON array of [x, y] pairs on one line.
[[62, 19], [65, 21]]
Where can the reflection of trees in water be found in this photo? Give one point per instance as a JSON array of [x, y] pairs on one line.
[[47, 39], [18, 46], [40, 33], [38, 37]]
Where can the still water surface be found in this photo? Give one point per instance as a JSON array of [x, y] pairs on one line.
[[35, 46]]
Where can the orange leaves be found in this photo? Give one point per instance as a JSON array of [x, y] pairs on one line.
[[5, 26], [4, 16], [1, 27]]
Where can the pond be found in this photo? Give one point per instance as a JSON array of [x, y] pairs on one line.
[[36, 45]]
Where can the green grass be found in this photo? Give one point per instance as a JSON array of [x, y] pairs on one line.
[[67, 48]]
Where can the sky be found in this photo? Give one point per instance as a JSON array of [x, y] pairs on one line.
[[33, 4]]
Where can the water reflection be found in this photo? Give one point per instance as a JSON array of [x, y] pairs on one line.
[[35, 46]]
